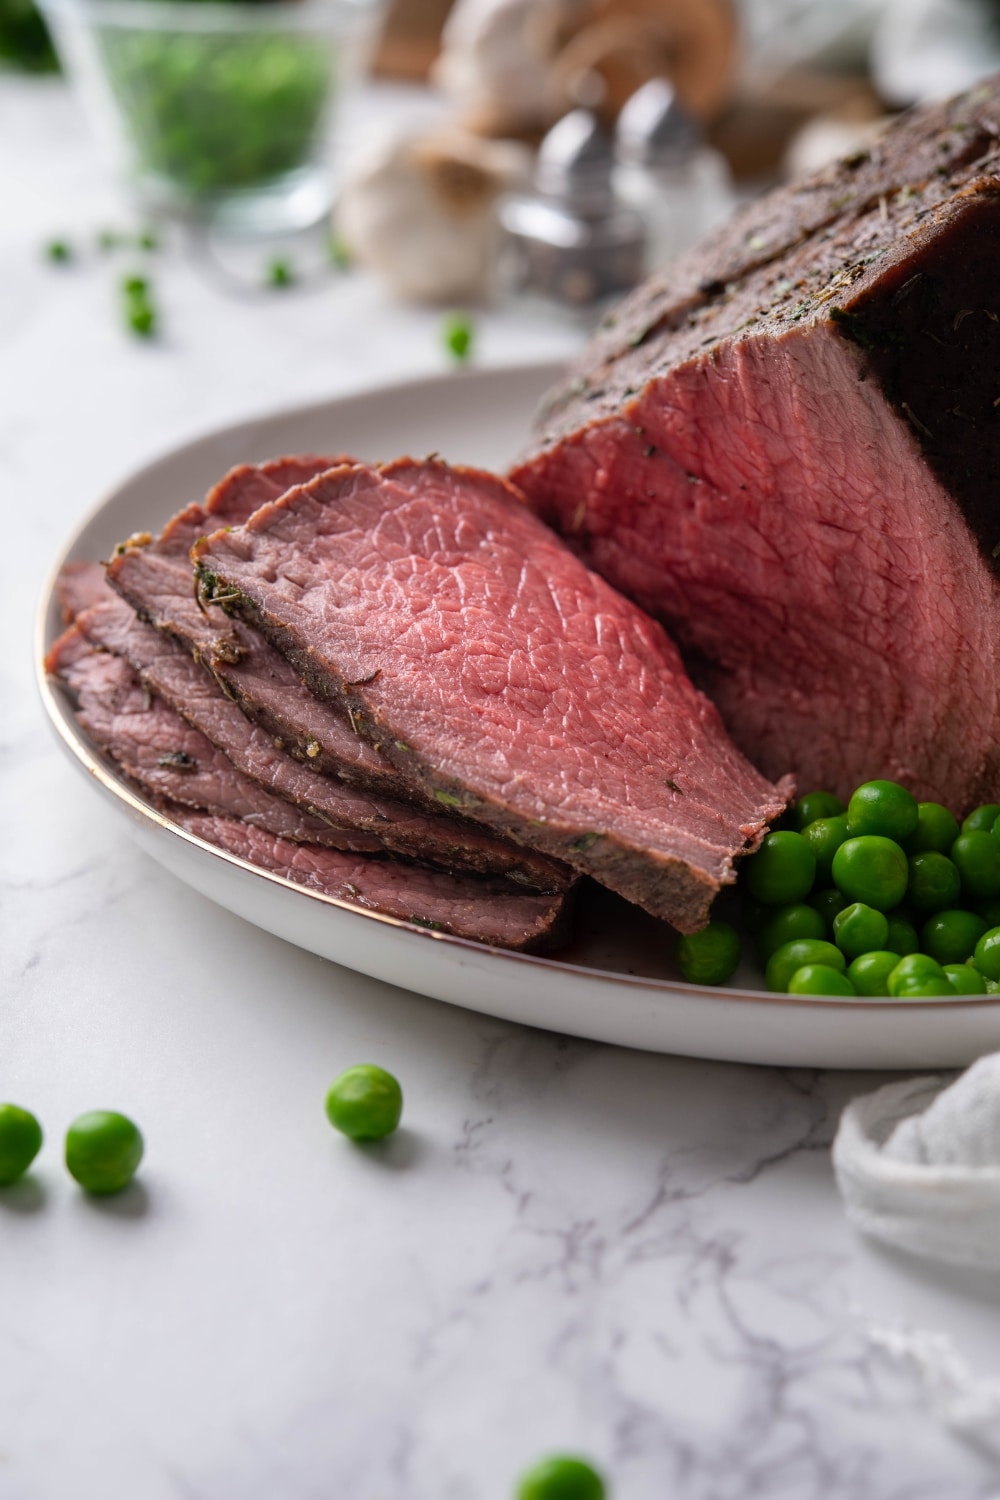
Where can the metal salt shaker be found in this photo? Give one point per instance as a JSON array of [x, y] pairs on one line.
[[667, 173], [574, 237]]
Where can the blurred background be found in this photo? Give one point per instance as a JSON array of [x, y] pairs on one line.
[[464, 151]]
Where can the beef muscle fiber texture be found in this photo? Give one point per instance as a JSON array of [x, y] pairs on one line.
[[484, 911], [165, 756], [363, 819], [199, 789], [156, 577], [498, 673], [785, 447]]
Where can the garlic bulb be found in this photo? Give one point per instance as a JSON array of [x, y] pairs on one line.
[[420, 212]]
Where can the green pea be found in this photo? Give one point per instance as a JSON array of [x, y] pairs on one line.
[[903, 938], [925, 989], [951, 936], [965, 980], [791, 956], [815, 805], [786, 925], [824, 837], [280, 273], [986, 954], [937, 828], [871, 869], [709, 956], [783, 869], [977, 855], [458, 335], [883, 808], [364, 1102], [934, 882], [141, 319], [20, 1142], [819, 979], [981, 819], [869, 973], [60, 252], [561, 1478], [989, 911], [860, 929], [914, 968], [103, 1151], [828, 903]]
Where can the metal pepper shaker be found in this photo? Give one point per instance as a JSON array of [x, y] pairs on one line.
[[574, 238], [665, 171]]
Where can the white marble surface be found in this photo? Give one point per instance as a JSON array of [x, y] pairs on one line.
[[568, 1246]]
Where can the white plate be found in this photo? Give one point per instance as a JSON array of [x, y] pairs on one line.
[[611, 985]]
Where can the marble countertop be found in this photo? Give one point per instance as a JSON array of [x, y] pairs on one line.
[[568, 1246]]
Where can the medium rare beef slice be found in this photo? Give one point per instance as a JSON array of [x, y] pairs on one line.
[[165, 756], [499, 673], [79, 585], [156, 577], [483, 911], [433, 838], [798, 482]]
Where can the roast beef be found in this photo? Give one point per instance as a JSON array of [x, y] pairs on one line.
[[156, 578], [485, 911], [784, 447], [198, 788], [376, 822], [495, 671], [162, 754], [79, 585]]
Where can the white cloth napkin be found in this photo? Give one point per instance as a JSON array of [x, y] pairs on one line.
[[918, 1165]]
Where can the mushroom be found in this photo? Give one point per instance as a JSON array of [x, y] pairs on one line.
[[515, 66]]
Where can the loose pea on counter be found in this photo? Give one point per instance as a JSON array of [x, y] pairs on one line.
[[103, 1151], [561, 1478], [365, 1103], [20, 1142]]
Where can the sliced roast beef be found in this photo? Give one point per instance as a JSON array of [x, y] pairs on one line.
[[791, 463], [198, 789], [497, 672], [485, 911], [156, 577], [434, 838], [165, 756], [79, 585]]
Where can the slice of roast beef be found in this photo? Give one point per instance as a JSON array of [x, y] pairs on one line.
[[794, 468], [156, 577], [164, 756], [434, 838], [79, 585], [484, 911], [494, 670]]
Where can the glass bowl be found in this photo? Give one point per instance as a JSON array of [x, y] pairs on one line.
[[218, 111]]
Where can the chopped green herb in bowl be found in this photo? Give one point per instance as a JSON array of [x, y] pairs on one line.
[[218, 108]]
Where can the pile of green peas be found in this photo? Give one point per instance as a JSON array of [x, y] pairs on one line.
[[883, 897]]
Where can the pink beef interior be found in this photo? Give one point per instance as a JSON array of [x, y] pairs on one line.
[[487, 660], [754, 503], [785, 447]]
